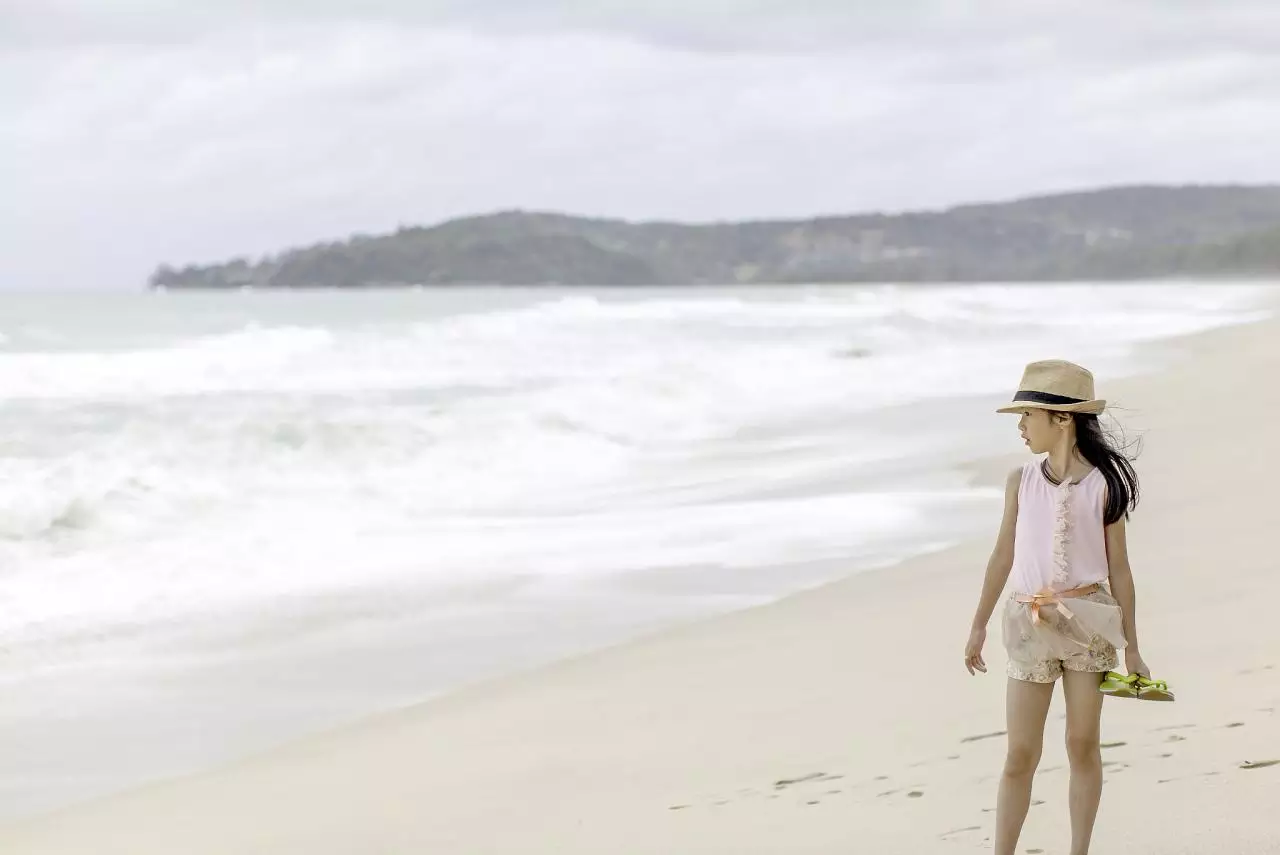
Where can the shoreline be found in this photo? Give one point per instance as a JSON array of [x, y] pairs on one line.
[[649, 678], [1217, 278]]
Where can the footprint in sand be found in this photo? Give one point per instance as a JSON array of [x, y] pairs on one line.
[[1256, 670], [782, 784], [1260, 764], [811, 778], [981, 736], [946, 834], [1112, 744], [1235, 724]]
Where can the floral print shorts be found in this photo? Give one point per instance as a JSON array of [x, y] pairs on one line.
[[1083, 636]]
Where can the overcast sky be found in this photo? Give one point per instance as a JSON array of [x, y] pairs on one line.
[[140, 131]]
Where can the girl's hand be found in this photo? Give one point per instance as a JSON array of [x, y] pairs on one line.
[[973, 650], [1134, 665]]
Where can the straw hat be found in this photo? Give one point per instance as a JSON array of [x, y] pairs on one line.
[[1055, 384]]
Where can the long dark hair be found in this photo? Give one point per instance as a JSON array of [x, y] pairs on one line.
[[1106, 450]]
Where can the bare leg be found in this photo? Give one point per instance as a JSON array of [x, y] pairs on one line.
[[1026, 707], [1084, 722]]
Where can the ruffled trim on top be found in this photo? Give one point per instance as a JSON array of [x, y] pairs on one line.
[[1061, 535]]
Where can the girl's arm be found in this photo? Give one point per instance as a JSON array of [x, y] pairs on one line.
[[1122, 587], [1001, 561]]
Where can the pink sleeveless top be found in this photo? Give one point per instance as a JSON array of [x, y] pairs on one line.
[[1059, 543]]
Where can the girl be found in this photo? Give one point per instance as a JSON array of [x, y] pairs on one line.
[[1062, 540]]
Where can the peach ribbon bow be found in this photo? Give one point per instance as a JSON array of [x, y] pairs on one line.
[[1055, 598]]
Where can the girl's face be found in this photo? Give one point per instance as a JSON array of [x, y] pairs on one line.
[[1040, 429]]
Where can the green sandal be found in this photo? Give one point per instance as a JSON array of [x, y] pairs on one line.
[[1119, 685], [1153, 690]]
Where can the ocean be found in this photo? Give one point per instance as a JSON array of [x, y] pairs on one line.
[[230, 518]]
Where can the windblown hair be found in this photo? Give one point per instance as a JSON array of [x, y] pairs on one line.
[[1107, 450]]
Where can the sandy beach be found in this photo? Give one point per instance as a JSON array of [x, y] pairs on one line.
[[837, 720]]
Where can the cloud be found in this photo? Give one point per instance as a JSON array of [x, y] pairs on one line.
[[163, 131], [733, 25]]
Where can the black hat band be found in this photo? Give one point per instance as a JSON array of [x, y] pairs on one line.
[[1045, 398]]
